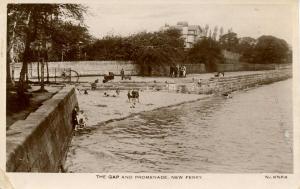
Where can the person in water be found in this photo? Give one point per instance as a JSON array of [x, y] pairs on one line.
[[81, 120]]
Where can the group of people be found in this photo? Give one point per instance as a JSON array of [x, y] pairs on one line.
[[85, 91], [178, 71], [117, 92]]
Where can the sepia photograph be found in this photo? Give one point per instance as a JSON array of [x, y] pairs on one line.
[[148, 87]]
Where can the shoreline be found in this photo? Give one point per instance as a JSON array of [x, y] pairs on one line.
[[158, 108], [101, 110]]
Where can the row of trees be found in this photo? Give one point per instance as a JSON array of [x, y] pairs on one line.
[[145, 48], [263, 50], [32, 27], [266, 49], [168, 47]]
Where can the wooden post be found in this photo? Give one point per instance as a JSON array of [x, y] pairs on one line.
[[42, 75], [47, 71], [70, 75], [38, 70], [55, 75]]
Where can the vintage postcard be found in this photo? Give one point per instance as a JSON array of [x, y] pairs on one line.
[[152, 94]]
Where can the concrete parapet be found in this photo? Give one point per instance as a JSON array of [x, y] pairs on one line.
[[40, 142]]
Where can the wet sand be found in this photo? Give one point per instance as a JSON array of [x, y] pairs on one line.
[[99, 108]]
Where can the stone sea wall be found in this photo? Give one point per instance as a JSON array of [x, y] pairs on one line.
[[203, 86], [221, 84], [40, 142]]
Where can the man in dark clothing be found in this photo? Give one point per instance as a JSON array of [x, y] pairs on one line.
[[122, 73], [171, 71], [74, 117]]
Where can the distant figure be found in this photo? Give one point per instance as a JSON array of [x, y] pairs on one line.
[[227, 95], [118, 92], [85, 92], [108, 77], [181, 71], [122, 73], [133, 105], [199, 83], [74, 117], [97, 81], [93, 86], [129, 95], [177, 70], [63, 74], [184, 71], [78, 90], [218, 74], [133, 96], [171, 71]]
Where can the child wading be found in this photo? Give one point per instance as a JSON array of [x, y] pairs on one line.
[[81, 119], [133, 96]]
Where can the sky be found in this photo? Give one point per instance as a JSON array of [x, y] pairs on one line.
[[251, 20]]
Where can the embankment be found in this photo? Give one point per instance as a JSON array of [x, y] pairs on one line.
[[229, 84], [40, 143], [201, 86]]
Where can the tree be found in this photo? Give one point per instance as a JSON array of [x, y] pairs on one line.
[[270, 49], [229, 41], [206, 51], [33, 22], [246, 48], [66, 38], [110, 48], [157, 49]]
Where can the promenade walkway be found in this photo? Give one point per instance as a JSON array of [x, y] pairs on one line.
[[189, 77]]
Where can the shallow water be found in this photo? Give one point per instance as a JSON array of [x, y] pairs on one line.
[[249, 133]]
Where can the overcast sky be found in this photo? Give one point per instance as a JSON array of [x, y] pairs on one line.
[[245, 20]]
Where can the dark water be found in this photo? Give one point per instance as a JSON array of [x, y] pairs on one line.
[[249, 133]]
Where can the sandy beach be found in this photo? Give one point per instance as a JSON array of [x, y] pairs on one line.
[[99, 108]]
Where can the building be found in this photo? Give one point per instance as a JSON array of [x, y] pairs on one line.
[[190, 33]]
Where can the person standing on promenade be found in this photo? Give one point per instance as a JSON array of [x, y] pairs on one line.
[[122, 73], [181, 71], [171, 71], [184, 71], [177, 70]]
